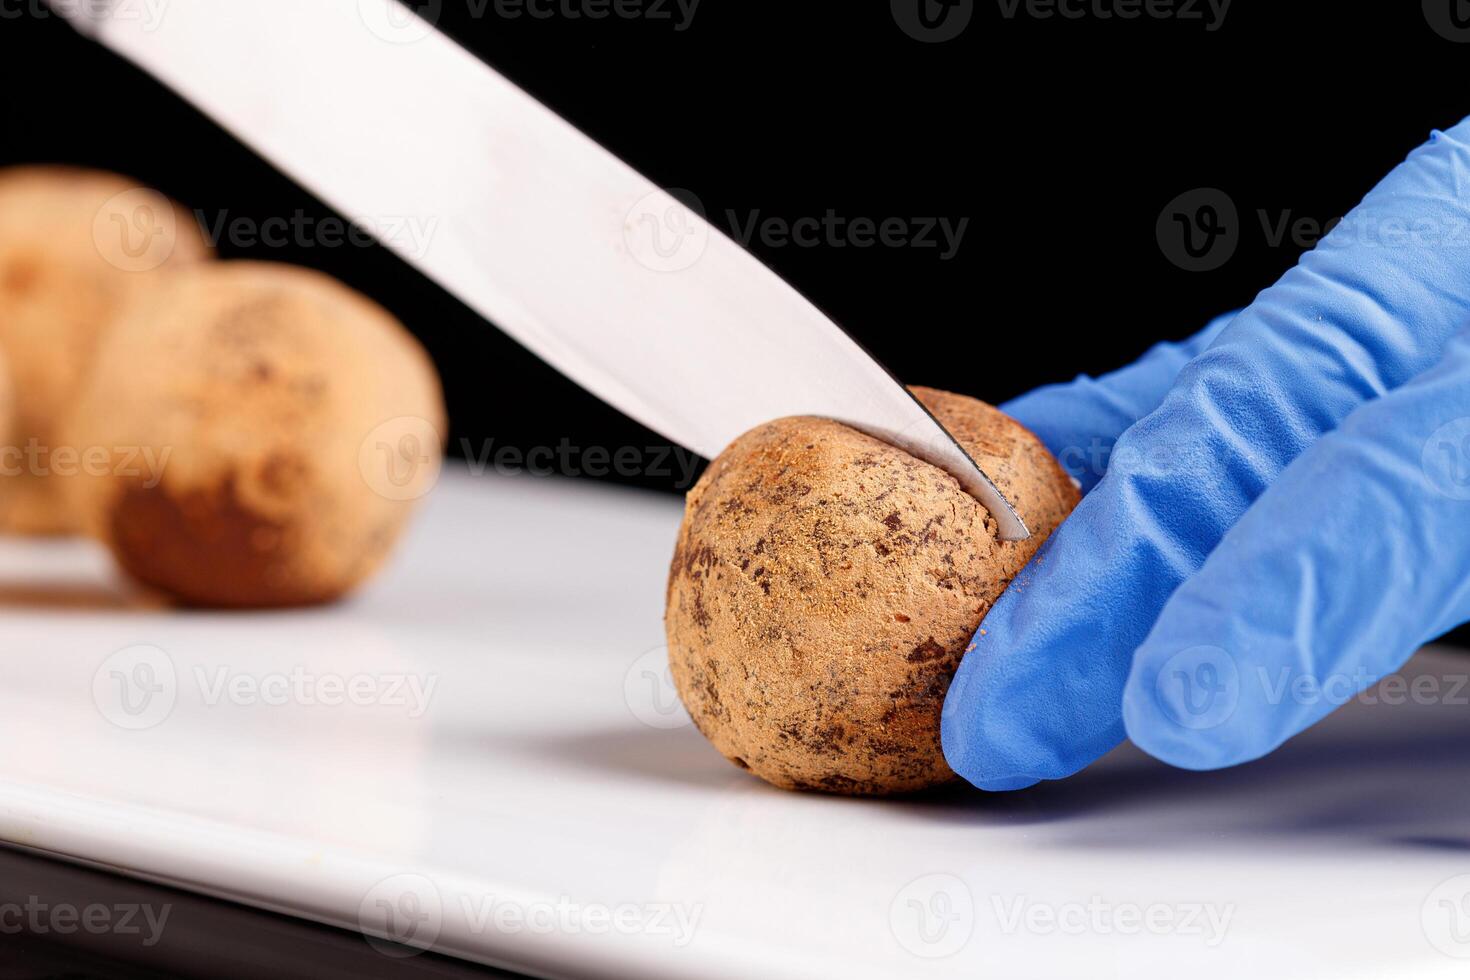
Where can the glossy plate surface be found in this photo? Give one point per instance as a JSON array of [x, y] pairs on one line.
[[479, 752]]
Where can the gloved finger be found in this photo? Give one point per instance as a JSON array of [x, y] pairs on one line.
[[1040, 694], [1079, 420], [1348, 563]]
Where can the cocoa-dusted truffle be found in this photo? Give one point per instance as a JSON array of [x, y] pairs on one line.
[[825, 586], [267, 432], [76, 247]]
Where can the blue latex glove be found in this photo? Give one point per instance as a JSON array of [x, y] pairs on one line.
[[1284, 519]]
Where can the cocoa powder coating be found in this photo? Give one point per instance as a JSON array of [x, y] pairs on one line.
[[77, 248], [825, 586], [248, 411]]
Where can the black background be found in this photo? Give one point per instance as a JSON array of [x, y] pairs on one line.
[[1060, 139]]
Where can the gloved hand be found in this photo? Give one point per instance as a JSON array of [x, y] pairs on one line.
[[1284, 519]]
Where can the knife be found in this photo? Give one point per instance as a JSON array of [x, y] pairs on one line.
[[620, 284]]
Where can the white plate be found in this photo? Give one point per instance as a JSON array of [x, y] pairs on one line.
[[534, 802]]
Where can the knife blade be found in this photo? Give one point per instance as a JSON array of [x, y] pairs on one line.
[[620, 284]]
